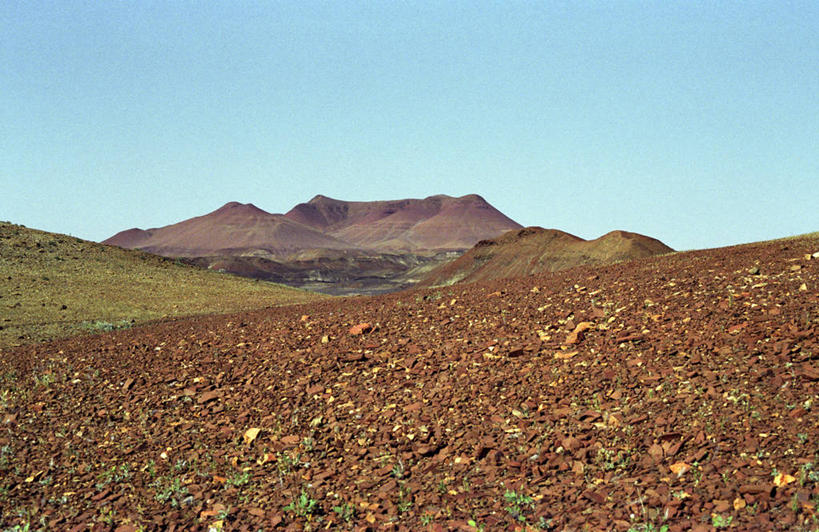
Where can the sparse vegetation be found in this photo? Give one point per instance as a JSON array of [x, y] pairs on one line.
[[518, 504], [170, 490], [441, 417], [55, 286], [345, 511], [303, 505]]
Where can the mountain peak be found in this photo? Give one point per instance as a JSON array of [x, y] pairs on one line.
[[236, 206], [320, 198], [434, 222]]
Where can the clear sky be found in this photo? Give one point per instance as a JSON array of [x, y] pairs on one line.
[[693, 122]]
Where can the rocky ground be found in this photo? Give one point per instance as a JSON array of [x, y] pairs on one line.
[[677, 391]]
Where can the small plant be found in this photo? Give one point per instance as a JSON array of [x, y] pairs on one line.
[[105, 326], [107, 515], [284, 463], [648, 527], [803, 438], [719, 521], [20, 528], [475, 525], [427, 518], [517, 503], [398, 469], [5, 456], [795, 503], [609, 460], [404, 499], [150, 468], [302, 506], [696, 473], [45, 379], [345, 511], [239, 479], [113, 474], [807, 473], [169, 490], [4, 399]]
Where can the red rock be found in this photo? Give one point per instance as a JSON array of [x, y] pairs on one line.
[[656, 452], [629, 338], [361, 328], [577, 334], [292, 439], [209, 396]]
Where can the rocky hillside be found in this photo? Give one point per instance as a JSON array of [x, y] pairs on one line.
[[678, 391], [55, 285], [535, 250]]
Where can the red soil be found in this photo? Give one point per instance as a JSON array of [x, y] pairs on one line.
[[688, 398]]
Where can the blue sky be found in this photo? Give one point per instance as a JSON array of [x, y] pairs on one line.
[[693, 122]]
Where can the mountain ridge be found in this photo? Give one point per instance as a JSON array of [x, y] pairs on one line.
[[430, 224]]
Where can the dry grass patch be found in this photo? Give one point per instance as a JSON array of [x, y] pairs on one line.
[[54, 286]]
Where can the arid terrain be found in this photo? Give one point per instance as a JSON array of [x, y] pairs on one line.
[[53, 286], [335, 272], [673, 393], [534, 250], [327, 245], [373, 247]]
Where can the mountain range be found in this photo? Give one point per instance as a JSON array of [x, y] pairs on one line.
[[435, 223], [369, 247]]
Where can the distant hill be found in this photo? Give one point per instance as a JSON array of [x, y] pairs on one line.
[[234, 228], [54, 285], [329, 245], [535, 250], [433, 223]]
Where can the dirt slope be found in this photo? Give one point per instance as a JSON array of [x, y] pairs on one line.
[[433, 223], [233, 228], [678, 390], [54, 285], [536, 250]]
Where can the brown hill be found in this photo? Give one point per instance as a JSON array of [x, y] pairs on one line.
[[234, 228], [362, 247], [535, 250], [56, 285], [433, 223]]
